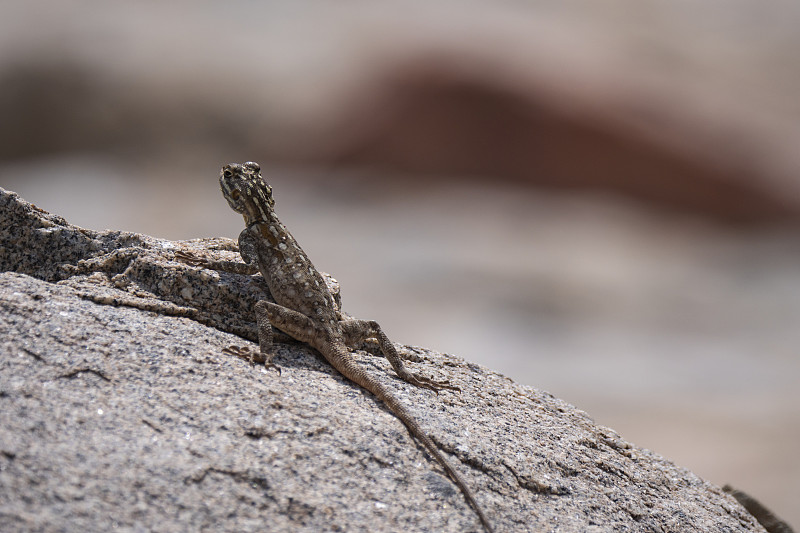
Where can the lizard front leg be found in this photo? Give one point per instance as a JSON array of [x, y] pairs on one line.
[[356, 331], [234, 267], [265, 340], [265, 337], [269, 314]]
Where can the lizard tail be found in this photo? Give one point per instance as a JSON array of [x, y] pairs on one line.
[[357, 375]]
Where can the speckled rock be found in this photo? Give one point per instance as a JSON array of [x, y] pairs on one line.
[[116, 417]]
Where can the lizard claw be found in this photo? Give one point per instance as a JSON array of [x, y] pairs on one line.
[[272, 366], [428, 383], [437, 385], [238, 351], [190, 259], [253, 357]]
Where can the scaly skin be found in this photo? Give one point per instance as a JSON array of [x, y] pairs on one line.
[[305, 309]]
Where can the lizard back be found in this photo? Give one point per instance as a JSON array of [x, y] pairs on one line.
[[291, 277], [305, 309]]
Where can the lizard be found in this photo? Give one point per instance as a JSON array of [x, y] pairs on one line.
[[305, 309]]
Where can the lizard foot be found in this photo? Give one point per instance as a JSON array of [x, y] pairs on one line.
[[190, 259], [253, 357], [373, 347], [426, 383]]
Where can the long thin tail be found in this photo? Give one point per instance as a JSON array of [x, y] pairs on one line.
[[356, 374]]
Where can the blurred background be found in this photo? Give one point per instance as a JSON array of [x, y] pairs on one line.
[[601, 200]]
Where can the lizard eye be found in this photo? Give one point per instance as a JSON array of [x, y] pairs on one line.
[[228, 173]]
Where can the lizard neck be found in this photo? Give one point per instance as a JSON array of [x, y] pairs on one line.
[[256, 209], [259, 217]]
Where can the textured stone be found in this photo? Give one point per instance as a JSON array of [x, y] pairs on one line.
[[115, 417]]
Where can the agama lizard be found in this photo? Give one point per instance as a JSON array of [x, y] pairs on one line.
[[305, 308]]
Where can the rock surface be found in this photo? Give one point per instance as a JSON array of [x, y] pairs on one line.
[[117, 417]]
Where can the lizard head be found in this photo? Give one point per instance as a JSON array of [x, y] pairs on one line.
[[246, 191]]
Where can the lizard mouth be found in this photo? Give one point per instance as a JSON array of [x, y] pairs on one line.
[[230, 189], [235, 201]]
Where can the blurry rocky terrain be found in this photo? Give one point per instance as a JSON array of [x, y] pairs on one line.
[[611, 190]]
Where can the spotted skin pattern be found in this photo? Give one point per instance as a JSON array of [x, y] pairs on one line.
[[305, 309]]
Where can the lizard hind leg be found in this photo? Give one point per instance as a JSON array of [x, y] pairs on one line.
[[356, 331]]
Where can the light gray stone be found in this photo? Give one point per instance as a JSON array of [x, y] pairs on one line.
[[114, 417]]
